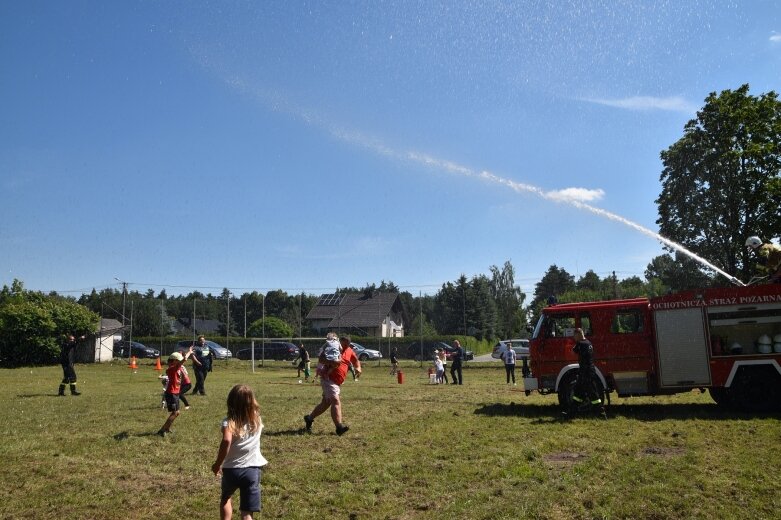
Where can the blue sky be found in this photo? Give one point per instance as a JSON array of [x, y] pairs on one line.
[[310, 145]]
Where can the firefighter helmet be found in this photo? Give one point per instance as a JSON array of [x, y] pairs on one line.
[[753, 242]]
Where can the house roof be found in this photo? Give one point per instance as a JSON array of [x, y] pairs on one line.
[[183, 325], [354, 309], [109, 326]]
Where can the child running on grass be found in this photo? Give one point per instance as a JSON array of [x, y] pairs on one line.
[[239, 455], [175, 362]]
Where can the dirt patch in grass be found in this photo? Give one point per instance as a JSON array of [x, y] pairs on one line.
[[666, 452], [563, 460]]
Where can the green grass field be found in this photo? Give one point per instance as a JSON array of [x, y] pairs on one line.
[[481, 450]]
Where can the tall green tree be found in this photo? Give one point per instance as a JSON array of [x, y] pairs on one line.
[[466, 307], [679, 273], [271, 326], [720, 182], [511, 320], [33, 324], [555, 282]]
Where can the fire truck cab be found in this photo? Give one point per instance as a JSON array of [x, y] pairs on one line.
[[727, 340]]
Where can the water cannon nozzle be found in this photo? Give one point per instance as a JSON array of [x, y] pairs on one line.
[[736, 281]]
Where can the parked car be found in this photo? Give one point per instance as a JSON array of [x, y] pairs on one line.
[[134, 348], [219, 351], [281, 350], [520, 346], [414, 351], [364, 353]]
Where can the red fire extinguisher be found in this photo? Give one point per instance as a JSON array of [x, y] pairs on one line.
[[400, 377]]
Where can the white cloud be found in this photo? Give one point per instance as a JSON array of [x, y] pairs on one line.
[[775, 37], [673, 104], [575, 195]]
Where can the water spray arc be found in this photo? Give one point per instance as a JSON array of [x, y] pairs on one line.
[[519, 187], [358, 139]]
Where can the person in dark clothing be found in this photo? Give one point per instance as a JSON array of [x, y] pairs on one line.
[[455, 366], [303, 363], [585, 394], [202, 365], [394, 362], [67, 358]]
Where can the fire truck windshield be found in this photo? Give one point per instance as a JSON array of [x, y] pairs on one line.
[[554, 325]]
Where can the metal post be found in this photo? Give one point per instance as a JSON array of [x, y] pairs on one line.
[[228, 321], [130, 347], [263, 333], [124, 296], [162, 324], [192, 323]]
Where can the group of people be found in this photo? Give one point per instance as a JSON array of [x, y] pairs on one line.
[[456, 366], [239, 459], [177, 383]]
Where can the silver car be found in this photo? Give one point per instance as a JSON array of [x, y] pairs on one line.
[[520, 346], [364, 353]]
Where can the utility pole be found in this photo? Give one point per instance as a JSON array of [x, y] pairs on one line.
[[228, 320], [124, 297]]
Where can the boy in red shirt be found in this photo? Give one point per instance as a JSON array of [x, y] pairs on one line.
[[175, 362]]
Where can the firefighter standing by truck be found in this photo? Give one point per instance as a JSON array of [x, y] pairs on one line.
[[585, 394]]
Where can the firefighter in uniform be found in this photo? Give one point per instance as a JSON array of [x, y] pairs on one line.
[[67, 358], [202, 365], [585, 394], [768, 258]]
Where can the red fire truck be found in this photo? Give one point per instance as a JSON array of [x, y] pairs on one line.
[[727, 340]]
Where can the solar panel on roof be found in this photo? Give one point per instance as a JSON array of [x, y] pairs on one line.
[[330, 299]]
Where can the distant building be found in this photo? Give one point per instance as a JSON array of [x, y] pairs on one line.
[[377, 314], [189, 327], [102, 350]]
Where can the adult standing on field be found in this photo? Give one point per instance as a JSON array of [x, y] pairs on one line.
[[330, 381], [303, 364], [202, 364], [585, 393], [455, 367], [509, 356], [67, 358], [394, 362]]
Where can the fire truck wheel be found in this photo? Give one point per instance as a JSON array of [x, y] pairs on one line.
[[721, 396], [566, 389], [757, 389]]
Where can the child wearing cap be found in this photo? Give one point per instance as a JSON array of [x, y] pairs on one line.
[[175, 362]]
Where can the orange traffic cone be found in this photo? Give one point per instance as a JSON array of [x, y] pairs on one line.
[[158, 366], [133, 363]]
